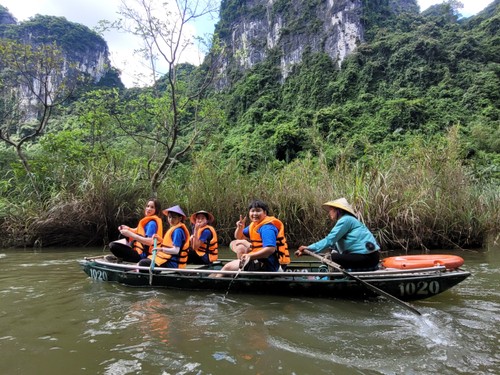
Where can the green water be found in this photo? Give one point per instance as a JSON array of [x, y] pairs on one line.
[[55, 320]]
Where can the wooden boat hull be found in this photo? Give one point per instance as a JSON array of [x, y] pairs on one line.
[[301, 279]]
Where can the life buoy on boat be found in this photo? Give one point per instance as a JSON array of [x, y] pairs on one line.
[[423, 261]]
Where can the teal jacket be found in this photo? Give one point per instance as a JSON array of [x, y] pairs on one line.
[[349, 235]]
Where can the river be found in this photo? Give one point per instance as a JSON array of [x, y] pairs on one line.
[[55, 320]]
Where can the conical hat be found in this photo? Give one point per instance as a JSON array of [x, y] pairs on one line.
[[176, 209], [210, 220], [339, 203]]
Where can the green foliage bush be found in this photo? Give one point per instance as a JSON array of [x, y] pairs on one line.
[[407, 129]]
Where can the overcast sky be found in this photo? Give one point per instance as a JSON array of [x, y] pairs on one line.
[[90, 12]]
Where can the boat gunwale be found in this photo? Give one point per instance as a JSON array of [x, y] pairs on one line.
[[161, 271], [307, 284]]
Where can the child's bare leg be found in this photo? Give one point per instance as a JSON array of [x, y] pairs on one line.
[[240, 247]]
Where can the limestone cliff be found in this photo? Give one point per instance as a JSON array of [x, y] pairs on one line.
[[83, 49], [250, 29], [5, 17]]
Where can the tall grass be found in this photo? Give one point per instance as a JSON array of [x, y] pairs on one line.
[[86, 211], [420, 197]]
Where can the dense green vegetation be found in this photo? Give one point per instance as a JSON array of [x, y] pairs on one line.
[[421, 77], [408, 130]]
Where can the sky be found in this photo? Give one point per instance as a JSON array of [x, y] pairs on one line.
[[121, 46]]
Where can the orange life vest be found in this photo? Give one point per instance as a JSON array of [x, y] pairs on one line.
[[181, 258], [281, 244], [211, 248], [140, 230]]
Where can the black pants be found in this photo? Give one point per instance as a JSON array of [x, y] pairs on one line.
[[194, 258], [124, 252], [146, 262], [357, 262]]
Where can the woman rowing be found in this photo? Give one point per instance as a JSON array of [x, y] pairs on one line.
[[354, 246]]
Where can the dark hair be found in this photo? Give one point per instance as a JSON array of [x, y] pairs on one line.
[[175, 215], [157, 206], [341, 212], [204, 214], [258, 204]]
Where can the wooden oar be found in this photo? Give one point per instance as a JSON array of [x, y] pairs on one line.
[[338, 267], [152, 265], [241, 266]]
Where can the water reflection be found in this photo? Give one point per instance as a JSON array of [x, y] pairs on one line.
[[56, 320]]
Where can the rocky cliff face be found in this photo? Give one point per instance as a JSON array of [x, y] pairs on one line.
[[5, 17], [83, 49], [92, 61], [250, 29]]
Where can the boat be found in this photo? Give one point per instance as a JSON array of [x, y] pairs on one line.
[[301, 278]]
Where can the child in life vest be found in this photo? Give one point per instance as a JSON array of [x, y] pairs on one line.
[[262, 245], [139, 241], [204, 246], [173, 249]]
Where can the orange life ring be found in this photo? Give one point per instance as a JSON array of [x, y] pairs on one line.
[[422, 261]]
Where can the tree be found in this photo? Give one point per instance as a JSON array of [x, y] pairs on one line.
[[34, 80], [178, 109]]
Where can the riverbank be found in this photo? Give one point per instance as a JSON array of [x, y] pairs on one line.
[[411, 198]]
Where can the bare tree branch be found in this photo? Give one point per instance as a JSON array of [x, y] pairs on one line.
[[164, 28], [33, 84]]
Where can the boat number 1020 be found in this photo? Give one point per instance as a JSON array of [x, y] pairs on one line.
[[421, 288], [98, 275]]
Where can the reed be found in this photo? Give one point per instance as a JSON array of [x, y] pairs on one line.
[[209, 186], [419, 197], [84, 211]]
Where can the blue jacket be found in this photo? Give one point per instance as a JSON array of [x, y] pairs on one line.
[[349, 235]]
